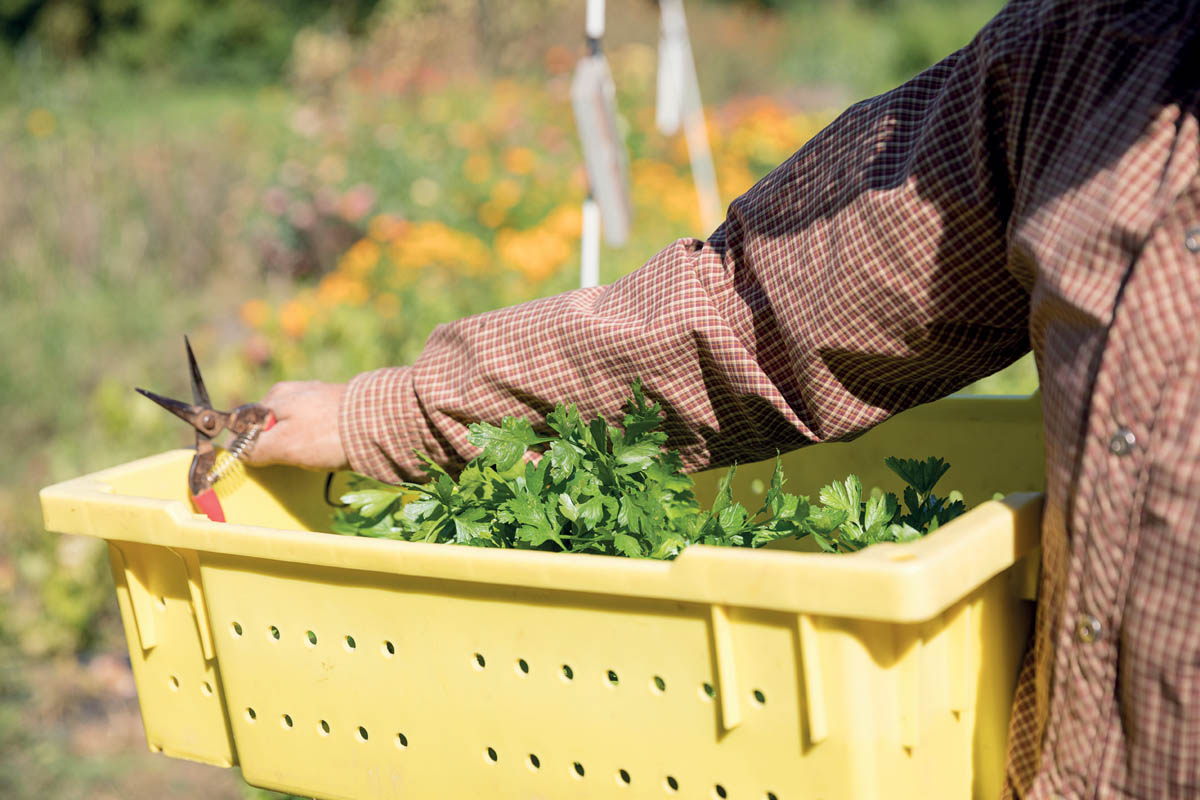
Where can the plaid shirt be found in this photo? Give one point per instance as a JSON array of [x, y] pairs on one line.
[[1039, 188]]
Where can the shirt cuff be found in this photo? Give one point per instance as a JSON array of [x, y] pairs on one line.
[[369, 423]]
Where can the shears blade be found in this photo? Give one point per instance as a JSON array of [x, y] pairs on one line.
[[185, 411], [199, 393]]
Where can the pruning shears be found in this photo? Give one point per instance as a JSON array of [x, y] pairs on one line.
[[246, 422]]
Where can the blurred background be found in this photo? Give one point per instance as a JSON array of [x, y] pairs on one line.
[[307, 188]]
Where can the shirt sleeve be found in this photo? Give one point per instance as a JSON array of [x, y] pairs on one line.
[[866, 274]]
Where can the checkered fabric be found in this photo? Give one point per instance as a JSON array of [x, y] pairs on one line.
[[1039, 188]]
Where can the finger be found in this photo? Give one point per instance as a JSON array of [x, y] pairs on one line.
[[270, 446], [280, 394]]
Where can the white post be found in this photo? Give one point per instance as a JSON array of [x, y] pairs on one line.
[[679, 101], [595, 19], [589, 245]]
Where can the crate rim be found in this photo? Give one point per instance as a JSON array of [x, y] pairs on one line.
[[909, 582]]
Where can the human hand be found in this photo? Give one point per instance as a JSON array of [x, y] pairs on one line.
[[306, 432]]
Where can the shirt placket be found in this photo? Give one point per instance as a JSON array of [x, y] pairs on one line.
[[1105, 518]]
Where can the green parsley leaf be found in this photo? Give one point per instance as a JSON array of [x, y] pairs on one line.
[[503, 447]]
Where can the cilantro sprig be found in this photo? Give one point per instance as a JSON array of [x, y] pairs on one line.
[[602, 489]]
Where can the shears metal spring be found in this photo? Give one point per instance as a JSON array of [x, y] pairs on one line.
[[246, 422]]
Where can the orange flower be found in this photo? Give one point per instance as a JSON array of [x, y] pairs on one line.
[[435, 244], [294, 318], [537, 253], [338, 288], [362, 256], [519, 160], [255, 313], [566, 221]]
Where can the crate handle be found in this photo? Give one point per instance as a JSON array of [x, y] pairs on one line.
[[727, 688], [814, 684], [140, 601], [908, 676], [959, 638], [191, 566]]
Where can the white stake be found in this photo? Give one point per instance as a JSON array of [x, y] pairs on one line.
[[679, 101], [589, 245], [595, 19]]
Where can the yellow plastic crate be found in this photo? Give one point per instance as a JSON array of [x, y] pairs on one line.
[[343, 667]]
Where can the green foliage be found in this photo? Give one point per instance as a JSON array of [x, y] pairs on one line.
[[197, 40], [600, 489]]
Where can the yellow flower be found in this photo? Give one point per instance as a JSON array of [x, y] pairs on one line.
[[294, 318], [477, 168], [658, 185], [40, 123], [255, 313], [565, 221], [362, 256], [519, 160], [428, 244], [538, 252], [506, 193], [338, 288]]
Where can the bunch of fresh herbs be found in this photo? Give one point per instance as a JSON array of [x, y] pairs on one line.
[[597, 488]]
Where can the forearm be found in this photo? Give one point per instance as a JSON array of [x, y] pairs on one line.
[[866, 274]]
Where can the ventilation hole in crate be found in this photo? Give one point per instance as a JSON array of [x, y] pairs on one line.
[[273, 632], [759, 697], [719, 792], [312, 637], [237, 628], [672, 785], [323, 728], [250, 715], [389, 649], [361, 734], [480, 662], [162, 602], [623, 777], [613, 680], [772, 796], [286, 721], [659, 684], [350, 645], [173, 682], [401, 741], [707, 692], [534, 762], [577, 768], [206, 689], [567, 672], [523, 666], [491, 756]]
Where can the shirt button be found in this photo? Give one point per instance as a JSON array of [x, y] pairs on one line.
[[1122, 441], [1192, 240], [1087, 629]]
